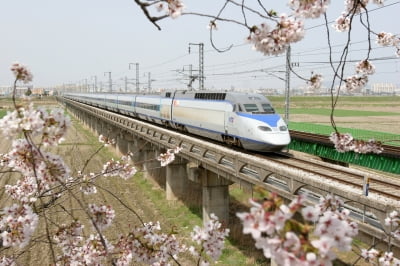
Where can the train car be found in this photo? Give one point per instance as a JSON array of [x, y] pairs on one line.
[[241, 119], [246, 120]]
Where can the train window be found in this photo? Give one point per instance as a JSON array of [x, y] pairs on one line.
[[168, 95], [125, 103], [210, 96], [250, 107], [148, 106], [237, 108], [268, 108]]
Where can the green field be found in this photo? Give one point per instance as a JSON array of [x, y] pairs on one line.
[[387, 138], [340, 112], [364, 117], [307, 100]]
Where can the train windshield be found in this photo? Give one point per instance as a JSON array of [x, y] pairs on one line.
[[251, 107], [268, 108], [259, 108]]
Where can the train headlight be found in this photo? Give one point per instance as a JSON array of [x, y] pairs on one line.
[[283, 128], [264, 128]]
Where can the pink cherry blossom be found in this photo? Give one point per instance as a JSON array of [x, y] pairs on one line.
[[119, 168], [21, 72], [6, 261], [17, 224], [103, 215], [94, 252], [342, 142], [315, 81], [342, 23], [275, 41], [356, 82], [365, 67], [106, 141], [310, 8], [169, 156], [386, 39], [147, 245], [355, 6], [173, 8], [211, 237]]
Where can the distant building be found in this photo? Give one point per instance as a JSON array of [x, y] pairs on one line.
[[383, 89], [38, 91], [21, 90], [5, 90]]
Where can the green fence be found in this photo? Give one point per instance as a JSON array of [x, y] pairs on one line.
[[373, 161]]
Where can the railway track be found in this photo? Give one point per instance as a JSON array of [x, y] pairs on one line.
[[385, 186], [388, 150], [378, 185]]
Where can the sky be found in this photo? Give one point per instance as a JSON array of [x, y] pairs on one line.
[[80, 41]]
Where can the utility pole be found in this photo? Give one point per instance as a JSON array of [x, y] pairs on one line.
[[137, 75], [201, 64], [95, 83], [109, 80], [86, 85], [192, 77], [149, 81], [126, 83], [287, 85]]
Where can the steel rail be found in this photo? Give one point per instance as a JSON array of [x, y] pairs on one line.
[[250, 170], [387, 186]]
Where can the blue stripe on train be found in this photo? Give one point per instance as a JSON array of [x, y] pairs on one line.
[[270, 119]]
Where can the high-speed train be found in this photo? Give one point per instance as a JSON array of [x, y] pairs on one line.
[[245, 120]]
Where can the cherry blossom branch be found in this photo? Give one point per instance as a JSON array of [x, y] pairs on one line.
[[121, 202]]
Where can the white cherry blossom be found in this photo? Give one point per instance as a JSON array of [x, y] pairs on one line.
[[17, 224], [365, 67], [342, 23], [21, 72], [275, 41], [309, 8], [356, 82], [173, 8], [103, 215], [315, 81]]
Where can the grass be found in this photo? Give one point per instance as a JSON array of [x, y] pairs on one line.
[[339, 112], [388, 138], [184, 218], [2, 113], [342, 99]]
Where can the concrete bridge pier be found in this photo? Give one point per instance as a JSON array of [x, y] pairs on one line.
[[176, 180], [151, 165], [122, 144], [113, 132], [100, 126], [215, 196], [92, 124]]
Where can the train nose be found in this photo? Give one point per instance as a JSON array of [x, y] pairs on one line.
[[278, 138]]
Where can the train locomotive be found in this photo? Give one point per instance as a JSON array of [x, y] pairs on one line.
[[246, 120]]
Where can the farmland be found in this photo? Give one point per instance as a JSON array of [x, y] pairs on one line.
[[365, 117]]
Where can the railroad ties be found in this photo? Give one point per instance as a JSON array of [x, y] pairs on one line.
[[284, 174]]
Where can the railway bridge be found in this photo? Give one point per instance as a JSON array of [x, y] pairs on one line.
[[213, 168]]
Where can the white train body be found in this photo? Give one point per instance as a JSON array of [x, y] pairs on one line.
[[242, 119]]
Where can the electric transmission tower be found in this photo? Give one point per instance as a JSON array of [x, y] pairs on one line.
[[201, 64]]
